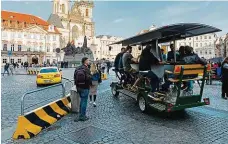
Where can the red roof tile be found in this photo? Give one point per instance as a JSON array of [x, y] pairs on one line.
[[29, 19]]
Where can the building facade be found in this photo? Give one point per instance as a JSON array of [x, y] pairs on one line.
[[73, 22], [222, 46], [25, 37], [102, 49], [204, 45]]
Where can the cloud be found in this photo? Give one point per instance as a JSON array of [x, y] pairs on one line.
[[118, 20]]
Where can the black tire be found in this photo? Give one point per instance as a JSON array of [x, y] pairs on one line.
[[142, 104], [115, 93]]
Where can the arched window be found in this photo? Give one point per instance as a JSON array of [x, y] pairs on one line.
[[63, 8], [87, 12]]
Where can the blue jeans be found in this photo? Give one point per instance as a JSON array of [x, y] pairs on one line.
[[84, 94]]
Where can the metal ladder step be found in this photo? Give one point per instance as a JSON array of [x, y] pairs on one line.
[[128, 93], [159, 106]]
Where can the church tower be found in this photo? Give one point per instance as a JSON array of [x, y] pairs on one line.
[[61, 8]]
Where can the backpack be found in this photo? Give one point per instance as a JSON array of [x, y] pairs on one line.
[[80, 76]]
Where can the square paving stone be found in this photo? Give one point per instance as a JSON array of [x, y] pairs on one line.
[[87, 135]]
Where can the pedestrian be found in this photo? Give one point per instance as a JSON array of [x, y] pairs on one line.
[[95, 81], [82, 80], [22, 64], [225, 78], [108, 66], [6, 68], [102, 66], [11, 67]]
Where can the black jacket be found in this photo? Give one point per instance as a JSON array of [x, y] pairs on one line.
[[146, 60], [192, 59], [88, 81], [117, 59], [224, 72]]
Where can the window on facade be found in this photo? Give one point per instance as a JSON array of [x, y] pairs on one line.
[[19, 35], [190, 44], [209, 52], [196, 44], [5, 47], [63, 8], [196, 38], [54, 50], [205, 52], [205, 37], [200, 52], [189, 38], [54, 38], [12, 35], [19, 47], [4, 60], [210, 43], [18, 60], [94, 52], [12, 47], [29, 49], [48, 38], [87, 12], [4, 34], [201, 45], [205, 44], [200, 37], [48, 49], [11, 60], [209, 37]]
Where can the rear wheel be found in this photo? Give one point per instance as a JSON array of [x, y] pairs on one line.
[[142, 104], [115, 93]]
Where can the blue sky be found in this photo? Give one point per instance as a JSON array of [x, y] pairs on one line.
[[125, 19]]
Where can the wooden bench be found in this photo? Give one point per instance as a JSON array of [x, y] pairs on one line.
[[185, 70]]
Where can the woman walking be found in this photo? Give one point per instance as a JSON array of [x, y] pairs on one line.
[[95, 82], [225, 78]]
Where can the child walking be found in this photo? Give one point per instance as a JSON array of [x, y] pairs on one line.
[[95, 82]]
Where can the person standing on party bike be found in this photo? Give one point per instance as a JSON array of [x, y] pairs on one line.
[[95, 81], [225, 78], [82, 80]]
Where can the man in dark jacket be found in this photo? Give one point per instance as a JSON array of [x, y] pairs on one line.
[[82, 80], [224, 68], [6, 68], [118, 59]]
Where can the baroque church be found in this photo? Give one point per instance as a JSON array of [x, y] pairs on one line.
[[73, 22]]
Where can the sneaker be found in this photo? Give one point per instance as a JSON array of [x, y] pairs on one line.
[[94, 104]]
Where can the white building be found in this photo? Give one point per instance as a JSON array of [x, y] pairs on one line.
[[204, 45], [27, 37], [222, 46], [108, 52]]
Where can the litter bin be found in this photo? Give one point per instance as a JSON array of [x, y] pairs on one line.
[[75, 100]]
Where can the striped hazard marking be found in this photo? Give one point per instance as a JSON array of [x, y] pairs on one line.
[[34, 122]]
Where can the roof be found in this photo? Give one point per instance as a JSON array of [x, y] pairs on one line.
[[169, 33], [27, 18], [55, 20]]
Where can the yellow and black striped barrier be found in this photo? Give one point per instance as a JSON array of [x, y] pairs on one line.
[[104, 76], [34, 122], [32, 72]]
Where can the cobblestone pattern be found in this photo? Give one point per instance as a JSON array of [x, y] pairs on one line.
[[123, 123]]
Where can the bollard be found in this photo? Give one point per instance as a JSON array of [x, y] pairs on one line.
[[75, 100]]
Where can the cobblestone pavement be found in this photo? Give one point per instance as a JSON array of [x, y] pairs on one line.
[[120, 121]]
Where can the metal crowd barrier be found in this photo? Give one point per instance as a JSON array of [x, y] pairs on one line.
[[37, 90]]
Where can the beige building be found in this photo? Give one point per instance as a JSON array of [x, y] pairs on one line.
[[27, 37], [73, 22], [222, 46]]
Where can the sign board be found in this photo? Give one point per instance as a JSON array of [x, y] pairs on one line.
[[9, 53]]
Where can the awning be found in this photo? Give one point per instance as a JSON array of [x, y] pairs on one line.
[[169, 33]]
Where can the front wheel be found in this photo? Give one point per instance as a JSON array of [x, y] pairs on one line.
[[115, 93], [142, 104]]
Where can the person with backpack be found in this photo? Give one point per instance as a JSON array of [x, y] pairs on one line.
[[82, 80], [95, 81]]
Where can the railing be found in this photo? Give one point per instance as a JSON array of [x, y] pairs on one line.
[[68, 81], [37, 90]]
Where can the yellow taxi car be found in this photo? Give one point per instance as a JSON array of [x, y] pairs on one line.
[[49, 75]]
